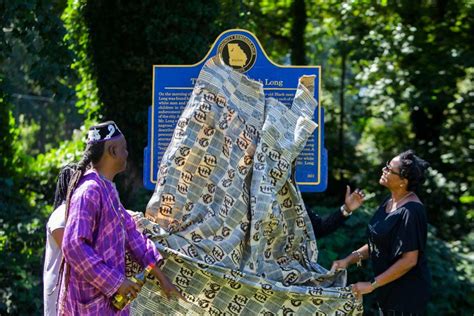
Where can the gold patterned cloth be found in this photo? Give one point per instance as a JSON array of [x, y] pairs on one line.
[[225, 213]]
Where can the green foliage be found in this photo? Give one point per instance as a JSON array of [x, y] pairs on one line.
[[28, 185], [43, 169], [35, 62], [272, 23], [37, 117], [21, 249], [78, 40], [451, 265], [408, 84], [116, 45], [7, 149], [395, 75], [20, 226]]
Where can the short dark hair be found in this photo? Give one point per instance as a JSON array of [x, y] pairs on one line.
[[413, 169]]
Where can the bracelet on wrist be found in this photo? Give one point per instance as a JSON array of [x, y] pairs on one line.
[[359, 257], [374, 284], [345, 211]]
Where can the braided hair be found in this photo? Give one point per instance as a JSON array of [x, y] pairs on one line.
[[62, 184], [92, 154], [413, 169]]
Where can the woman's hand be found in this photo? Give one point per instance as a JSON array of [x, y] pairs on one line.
[[353, 200], [362, 288], [340, 264]]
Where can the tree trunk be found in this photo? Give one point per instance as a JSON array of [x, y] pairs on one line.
[[298, 52], [341, 114]]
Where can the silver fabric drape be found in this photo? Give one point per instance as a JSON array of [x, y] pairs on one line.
[[226, 214]]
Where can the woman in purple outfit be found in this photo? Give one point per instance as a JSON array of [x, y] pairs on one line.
[[99, 230]]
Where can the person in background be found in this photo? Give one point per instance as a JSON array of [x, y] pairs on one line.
[[54, 238], [396, 245], [99, 230], [325, 226]]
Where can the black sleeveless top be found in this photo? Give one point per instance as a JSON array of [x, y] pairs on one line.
[[390, 235]]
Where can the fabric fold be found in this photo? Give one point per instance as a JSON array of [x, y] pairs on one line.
[[226, 215]]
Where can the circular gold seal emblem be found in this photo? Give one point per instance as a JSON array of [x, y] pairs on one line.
[[238, 52]]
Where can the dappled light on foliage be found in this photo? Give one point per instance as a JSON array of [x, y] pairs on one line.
[[395, 75]]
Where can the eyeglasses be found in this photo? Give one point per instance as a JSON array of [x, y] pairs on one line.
[[389, 168]]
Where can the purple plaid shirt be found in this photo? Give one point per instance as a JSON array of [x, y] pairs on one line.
[[97, 232]]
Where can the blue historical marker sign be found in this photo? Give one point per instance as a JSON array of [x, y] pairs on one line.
[[240, 49]]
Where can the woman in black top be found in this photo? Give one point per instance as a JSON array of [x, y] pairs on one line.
[[397, 242]]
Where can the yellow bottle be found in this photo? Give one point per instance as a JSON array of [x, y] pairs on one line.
[[119, 301]]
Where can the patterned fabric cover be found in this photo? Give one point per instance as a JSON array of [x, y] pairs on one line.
[[226, 214]]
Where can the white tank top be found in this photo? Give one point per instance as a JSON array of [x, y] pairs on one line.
[[52, 261]]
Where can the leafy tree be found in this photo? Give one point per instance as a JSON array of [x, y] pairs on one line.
[[36, 115], [36, 67], [20, 248], [397, 97], [117, 44], [395, 75], [382, 85]]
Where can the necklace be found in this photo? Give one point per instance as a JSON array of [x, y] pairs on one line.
[[403, 198]]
